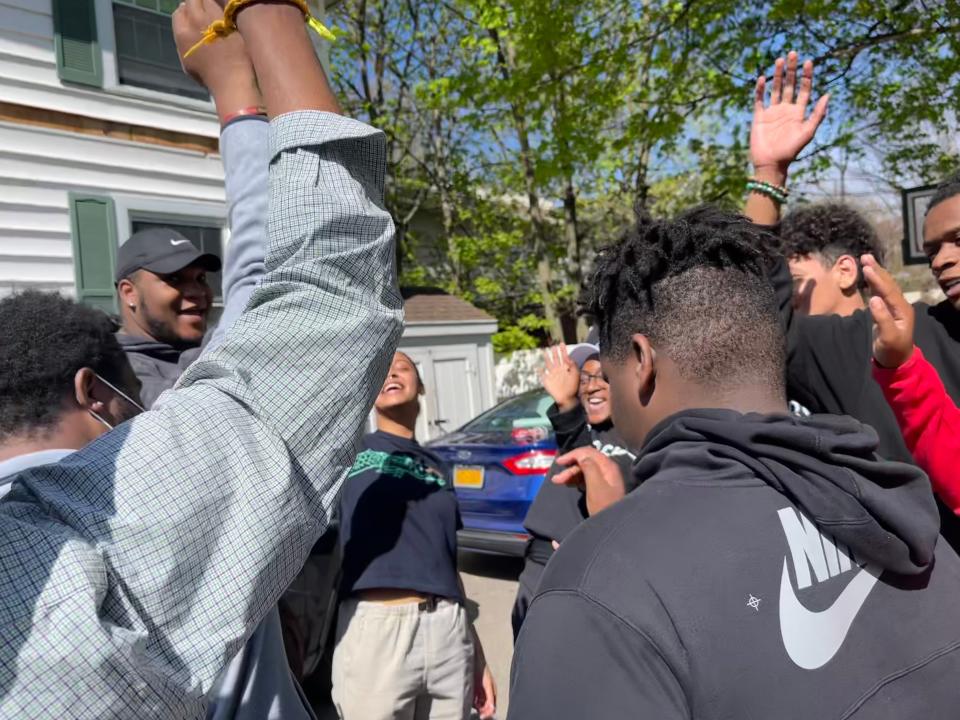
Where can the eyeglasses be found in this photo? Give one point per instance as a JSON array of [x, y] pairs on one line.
[[587, 378]]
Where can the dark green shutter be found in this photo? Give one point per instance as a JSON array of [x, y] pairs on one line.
[[93, 223], [77, 47]]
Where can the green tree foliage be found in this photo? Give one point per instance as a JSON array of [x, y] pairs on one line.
[[523, 132]]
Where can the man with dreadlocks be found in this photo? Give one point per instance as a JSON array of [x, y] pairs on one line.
[[767, 566]]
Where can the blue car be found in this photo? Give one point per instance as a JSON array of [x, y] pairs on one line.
[[499, 460]]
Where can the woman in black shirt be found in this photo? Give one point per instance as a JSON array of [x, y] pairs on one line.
[[405, 646], [580, 417]]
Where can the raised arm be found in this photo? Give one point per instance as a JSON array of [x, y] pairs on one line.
[[165, 542], [226, 70], [561, 379], [928, 418], [245, 149], [780, 131]]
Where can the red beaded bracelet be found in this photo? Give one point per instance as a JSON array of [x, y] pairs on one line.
[[243, 112]]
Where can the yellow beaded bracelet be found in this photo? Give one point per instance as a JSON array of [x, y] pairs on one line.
[[228, 24]]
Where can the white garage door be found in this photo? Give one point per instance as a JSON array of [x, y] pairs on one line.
[[452, 385]]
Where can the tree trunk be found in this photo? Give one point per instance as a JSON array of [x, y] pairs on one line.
[[641, 185], [571, 232], [541, 238]]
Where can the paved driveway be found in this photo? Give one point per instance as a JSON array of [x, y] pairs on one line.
[[491, 584]]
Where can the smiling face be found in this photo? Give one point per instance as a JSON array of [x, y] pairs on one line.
[[941, 244], [170, 308], [824, 288], [402, 386], [594, 392]]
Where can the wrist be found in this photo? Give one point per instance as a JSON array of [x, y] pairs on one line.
[[250, 16], [773, 174], [234, 97], [892, 360], [248, 113], [567, 404]]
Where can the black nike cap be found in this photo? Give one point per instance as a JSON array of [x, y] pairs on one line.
[[163, 251]]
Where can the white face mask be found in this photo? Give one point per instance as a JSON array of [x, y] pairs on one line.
[[119, 392]]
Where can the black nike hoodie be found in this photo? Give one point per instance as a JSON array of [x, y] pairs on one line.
[[766, 567]]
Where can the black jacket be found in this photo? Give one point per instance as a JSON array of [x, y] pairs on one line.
[[828, 368], [727, 585], [557, 509], [157, 365]]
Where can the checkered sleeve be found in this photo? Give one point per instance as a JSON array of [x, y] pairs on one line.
[[131, 572]]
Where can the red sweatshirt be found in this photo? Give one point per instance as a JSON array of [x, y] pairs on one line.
[[929, 421]]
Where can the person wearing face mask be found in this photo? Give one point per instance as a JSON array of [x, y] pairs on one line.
[[65, 382], [581, 418], [405, 645]]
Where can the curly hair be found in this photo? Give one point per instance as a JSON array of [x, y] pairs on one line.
[[47, 339], [829, 230], [945, 190], [697, 286]]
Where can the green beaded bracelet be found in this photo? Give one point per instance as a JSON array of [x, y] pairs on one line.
[[774, 192]]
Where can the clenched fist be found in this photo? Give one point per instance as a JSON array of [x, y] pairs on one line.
[[223, 67]]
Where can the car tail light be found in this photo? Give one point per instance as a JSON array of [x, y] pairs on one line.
[[535, 462]]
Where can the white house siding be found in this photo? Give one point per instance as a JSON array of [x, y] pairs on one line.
[[39, 167], [28, 76]]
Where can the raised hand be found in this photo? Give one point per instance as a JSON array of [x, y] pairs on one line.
[[595, 473], [223, 67], [560, 377], [893, 316], [781, 129]]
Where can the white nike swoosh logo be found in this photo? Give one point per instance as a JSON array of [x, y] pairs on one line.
[[178, 242], [811, 639]]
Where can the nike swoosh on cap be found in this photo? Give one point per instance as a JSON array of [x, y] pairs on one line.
[[178, 242], [811, 639]]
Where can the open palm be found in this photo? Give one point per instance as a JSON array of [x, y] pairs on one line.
[[781, 129]]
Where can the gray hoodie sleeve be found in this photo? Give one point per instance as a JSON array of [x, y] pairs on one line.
[[132, 571], [576, 659], [245, 149]]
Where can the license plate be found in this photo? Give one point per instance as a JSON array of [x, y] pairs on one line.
[[468, 477]]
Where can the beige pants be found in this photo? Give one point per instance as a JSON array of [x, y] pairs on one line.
[[403, 662]]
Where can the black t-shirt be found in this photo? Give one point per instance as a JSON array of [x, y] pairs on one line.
[[399, 520]]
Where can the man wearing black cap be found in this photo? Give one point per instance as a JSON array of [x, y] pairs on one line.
[[164, 301]]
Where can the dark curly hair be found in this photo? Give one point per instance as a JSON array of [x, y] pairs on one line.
[[945, 190], [47, 339], [830, 230], [698, 287]]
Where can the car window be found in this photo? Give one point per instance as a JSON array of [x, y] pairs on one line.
[[523, 411]]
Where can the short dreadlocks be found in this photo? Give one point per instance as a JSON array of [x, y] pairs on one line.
[[697, 287]]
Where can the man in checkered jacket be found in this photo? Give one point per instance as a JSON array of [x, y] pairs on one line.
[[133, 570]]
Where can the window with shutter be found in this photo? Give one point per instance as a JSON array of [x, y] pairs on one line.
[[146, 52], [94, 228], [76, 44]]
